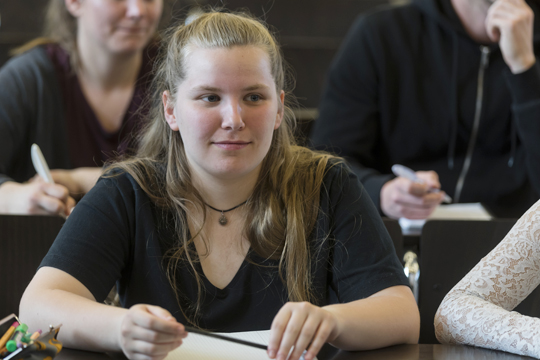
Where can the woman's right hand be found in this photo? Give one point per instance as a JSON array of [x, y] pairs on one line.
[[149, 333], [35, 198], [402, 197]]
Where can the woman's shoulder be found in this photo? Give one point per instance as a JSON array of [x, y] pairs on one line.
[[311, 162], [31, 60], [117, 180], [33, 68], [119, 176], [133, 177], [339, 173], [117, 191]]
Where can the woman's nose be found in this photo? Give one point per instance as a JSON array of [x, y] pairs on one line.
[[232, 117], [135, 8]]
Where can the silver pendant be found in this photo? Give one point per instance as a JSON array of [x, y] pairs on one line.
[[222, 219]]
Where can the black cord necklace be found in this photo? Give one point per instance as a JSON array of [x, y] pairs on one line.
[[222, 219]]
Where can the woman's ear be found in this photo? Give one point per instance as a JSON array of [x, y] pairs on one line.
[[281, 110], [168, 110], [74, 7]]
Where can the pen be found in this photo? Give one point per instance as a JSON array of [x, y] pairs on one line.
[[35, 335], [13, 343], [8, 334], [40, 164], [223, 337], [403, 171]]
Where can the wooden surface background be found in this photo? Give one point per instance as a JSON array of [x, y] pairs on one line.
[[310, 31]]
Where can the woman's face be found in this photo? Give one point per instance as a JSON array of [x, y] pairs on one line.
[[118, 26], [226, 110]]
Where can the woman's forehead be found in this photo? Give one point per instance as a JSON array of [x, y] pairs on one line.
[[241, 62]]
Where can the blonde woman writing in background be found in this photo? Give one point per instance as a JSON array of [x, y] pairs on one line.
[[76, 94], [222, 222]]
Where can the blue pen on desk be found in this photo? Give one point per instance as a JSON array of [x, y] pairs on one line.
[[403, 171]]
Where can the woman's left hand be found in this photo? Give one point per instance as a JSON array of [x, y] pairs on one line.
[[304, 326]]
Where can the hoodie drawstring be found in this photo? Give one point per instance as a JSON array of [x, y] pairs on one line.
[[513, 139]]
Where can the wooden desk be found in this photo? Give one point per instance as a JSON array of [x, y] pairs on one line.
[[401, 352], [25, 241]]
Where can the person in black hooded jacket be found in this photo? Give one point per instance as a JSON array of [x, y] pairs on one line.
[[449, 88]]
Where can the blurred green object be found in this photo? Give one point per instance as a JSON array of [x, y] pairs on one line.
[[43, 348]]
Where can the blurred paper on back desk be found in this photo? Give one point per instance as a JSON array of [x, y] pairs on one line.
[[201, 347], [468, 211]]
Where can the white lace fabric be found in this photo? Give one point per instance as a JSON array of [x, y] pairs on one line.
[[478, 310]]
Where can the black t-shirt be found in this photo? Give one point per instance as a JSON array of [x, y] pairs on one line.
[[116, 234]]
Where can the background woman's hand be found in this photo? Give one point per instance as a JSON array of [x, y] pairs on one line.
[[402, 197], [149, 333], [35, 198], [79, 181], [304, 326]]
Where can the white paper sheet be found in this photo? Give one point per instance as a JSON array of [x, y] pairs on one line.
[[200, 347], [469, 211]]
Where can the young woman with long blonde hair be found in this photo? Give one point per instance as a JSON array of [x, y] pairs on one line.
[[220, 221]]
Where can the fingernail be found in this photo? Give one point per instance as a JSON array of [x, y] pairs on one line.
[[271, 353]]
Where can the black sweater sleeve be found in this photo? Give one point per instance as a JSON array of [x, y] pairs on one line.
[[31, 111], [525, 89], [17, 103], [348, 123]]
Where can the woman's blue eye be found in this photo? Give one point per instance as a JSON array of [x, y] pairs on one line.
[[254, 98], [211, 98]]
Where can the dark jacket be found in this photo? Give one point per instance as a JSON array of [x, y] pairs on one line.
[[403, 90], [36, 106], [31, 111]]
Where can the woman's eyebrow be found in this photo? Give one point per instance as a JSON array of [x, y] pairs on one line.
[[206, 88], [256, 87], [216, 89]]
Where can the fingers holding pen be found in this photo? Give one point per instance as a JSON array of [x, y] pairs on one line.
[[149, 332], [35, 198], [300, 326], [54, 198], [318, 338], [430, 179], [402, 197]]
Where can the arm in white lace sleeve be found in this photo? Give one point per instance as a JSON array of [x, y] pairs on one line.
[[478, 310]]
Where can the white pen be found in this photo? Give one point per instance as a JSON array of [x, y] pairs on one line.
[[40, 164], [403, 171]]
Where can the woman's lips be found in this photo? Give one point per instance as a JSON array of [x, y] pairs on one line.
[[132, 30], [232, 145]]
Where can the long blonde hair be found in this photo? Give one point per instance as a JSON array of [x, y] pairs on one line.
[[283, 208]]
